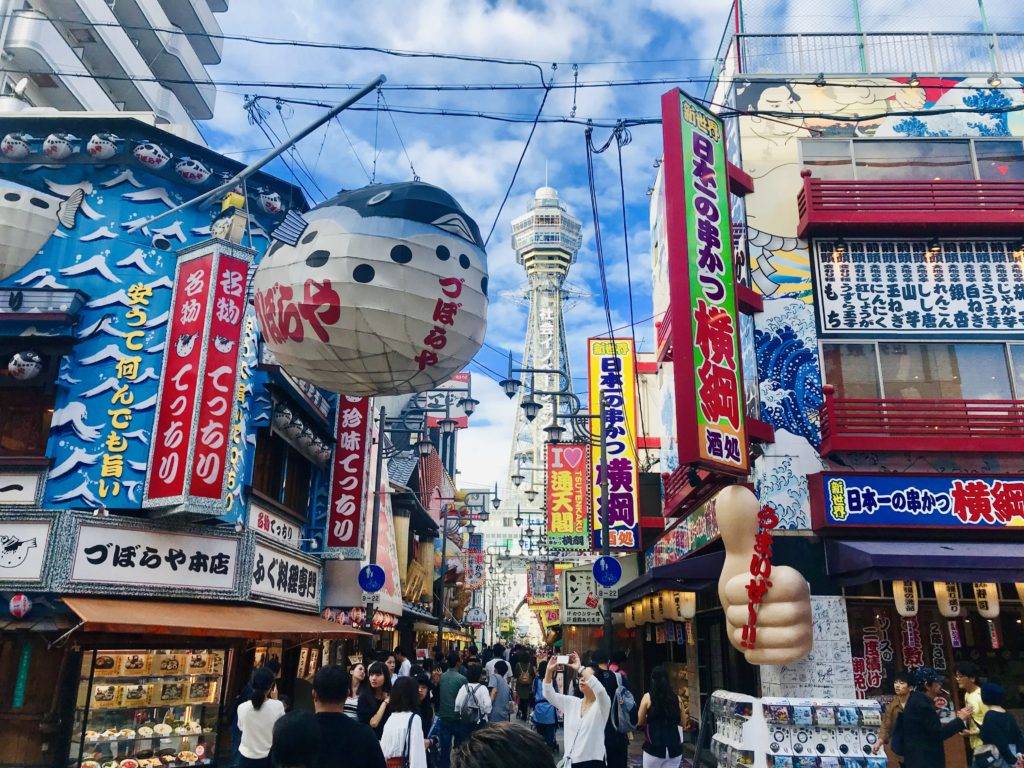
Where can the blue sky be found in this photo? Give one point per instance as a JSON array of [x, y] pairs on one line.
[[473, 158]]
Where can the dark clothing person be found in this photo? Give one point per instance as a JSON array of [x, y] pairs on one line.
[[367, 708], [345, 743], [1000, 729], [449, 728], [923, 732], [616, 744], [662, 737]]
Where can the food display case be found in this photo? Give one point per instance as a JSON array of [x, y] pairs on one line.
[[795, 733], [147, 709]]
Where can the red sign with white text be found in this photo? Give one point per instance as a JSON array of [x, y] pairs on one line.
[[348, 474], [219, 377], [167, 479]]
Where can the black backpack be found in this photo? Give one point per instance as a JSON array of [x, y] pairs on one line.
[[897, 738]]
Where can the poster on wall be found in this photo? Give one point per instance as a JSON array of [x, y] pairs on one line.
[[612, 375], [22, 549], [854, 500], [710, 411], [580, 604], [346, 510], [896, 287], [568, 496]]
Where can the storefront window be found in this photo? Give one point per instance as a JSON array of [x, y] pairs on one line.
[[281, 473], [851, 369], [944, 371], [1017, 369], [923, 160], [1000, 160], [748, 355], [827, 159], [25, 415]]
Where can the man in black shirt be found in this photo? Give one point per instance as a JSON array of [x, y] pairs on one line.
[[344, 742], [616, 744]]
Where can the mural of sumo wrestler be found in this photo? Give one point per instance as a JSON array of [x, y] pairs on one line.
[[787, 355]]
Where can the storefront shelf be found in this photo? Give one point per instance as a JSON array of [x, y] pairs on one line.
[[172, 737]]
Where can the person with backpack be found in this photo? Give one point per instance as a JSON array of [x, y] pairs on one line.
[[526, 673], [660, 718], [402, 739], [501, 694], [1002, 743], [473, 703], [449, 727], [622, 716], [585, 718], [901, 687], [918, 733], [545, 716]]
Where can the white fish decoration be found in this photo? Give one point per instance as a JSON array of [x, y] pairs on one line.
[[14, 551], [151, 155], [191, 170], [28, 218], [270, 202], [16, 146], [103, 146], [60, 146]]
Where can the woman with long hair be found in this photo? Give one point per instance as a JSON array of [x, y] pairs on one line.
[[357, 682], [402, 738], [660, 718], [526, 673], [372, 708], [256, 718]]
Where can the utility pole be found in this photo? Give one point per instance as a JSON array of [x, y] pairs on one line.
[[375, 520], [606, 604]]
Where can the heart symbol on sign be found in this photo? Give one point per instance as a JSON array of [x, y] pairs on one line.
[[572, 456]]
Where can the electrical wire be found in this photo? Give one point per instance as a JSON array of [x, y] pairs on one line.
[[353, 148], [415, 176]]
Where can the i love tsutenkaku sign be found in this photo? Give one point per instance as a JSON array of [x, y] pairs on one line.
[[709, 387], [568, 496]]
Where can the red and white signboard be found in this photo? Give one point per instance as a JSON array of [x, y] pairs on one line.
[[197, 384], [453, 390], [349, 477]]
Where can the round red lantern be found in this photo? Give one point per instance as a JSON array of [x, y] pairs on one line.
[[20, 605]]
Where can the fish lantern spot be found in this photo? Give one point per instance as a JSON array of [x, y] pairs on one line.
[[483, 285], [12, 197], [401, 254], [361, 308], [318, 258]]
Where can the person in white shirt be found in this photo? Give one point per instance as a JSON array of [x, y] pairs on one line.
[[584, 719], [403, 732], [404, 664], [474, 687], [256, 718]]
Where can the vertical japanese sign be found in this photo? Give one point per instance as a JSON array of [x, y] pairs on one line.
[[189, 452], [349, 476], [612, 366], [568, 497], [709, 388]]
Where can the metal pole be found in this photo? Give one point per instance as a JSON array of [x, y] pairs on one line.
[[860, 36], [444, 563], [254, 166], [606, 604], [375, 521]]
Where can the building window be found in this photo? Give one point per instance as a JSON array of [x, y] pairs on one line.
[[281, 473], [25, 415], [911, 159], [917, 370]]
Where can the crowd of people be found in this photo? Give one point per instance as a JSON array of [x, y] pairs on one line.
[[496, 708]]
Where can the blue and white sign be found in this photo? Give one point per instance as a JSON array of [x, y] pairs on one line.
[[917, 501], [607, 571], [371, 578]]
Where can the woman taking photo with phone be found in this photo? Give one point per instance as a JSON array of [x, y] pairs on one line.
[[585, 718]]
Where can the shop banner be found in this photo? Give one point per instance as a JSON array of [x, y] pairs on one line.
[[350, 485], [916, 501], [189, 454], [474, 562], [709, 379], [273, 525], [692, 533], [284, 578], [541, 584], [568, 509], [23, 549], [580, 605], [447, 395], [612, 374], [104, 554]]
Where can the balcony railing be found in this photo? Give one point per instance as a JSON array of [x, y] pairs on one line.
[[948, 426], [941, 206]]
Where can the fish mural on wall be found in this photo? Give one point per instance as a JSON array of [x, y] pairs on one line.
[[83, 226]]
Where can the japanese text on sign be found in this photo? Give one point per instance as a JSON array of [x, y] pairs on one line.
[[348, 475], [760, 573], [282, 577], [612, 367], [445, 312], [922, 500], [284, 317], [568, 495], [967, 287]]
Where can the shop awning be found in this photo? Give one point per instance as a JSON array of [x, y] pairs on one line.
[[857, 562], [198, 619], [687, 575]]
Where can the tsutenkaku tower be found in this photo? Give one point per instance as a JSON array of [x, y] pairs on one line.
[[546, 240]]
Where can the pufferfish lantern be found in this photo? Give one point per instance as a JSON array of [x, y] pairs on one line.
[[378, 291]]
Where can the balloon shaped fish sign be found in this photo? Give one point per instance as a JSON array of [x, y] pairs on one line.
[[59, 146], [16, 146], [151, 155], [103, 146], [378, 291], [192, 171]]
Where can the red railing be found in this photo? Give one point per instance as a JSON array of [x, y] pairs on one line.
[[949, 426], [942, 206], [663, 336]]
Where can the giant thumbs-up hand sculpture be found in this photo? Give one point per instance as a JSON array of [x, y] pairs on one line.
[[784, 617]]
